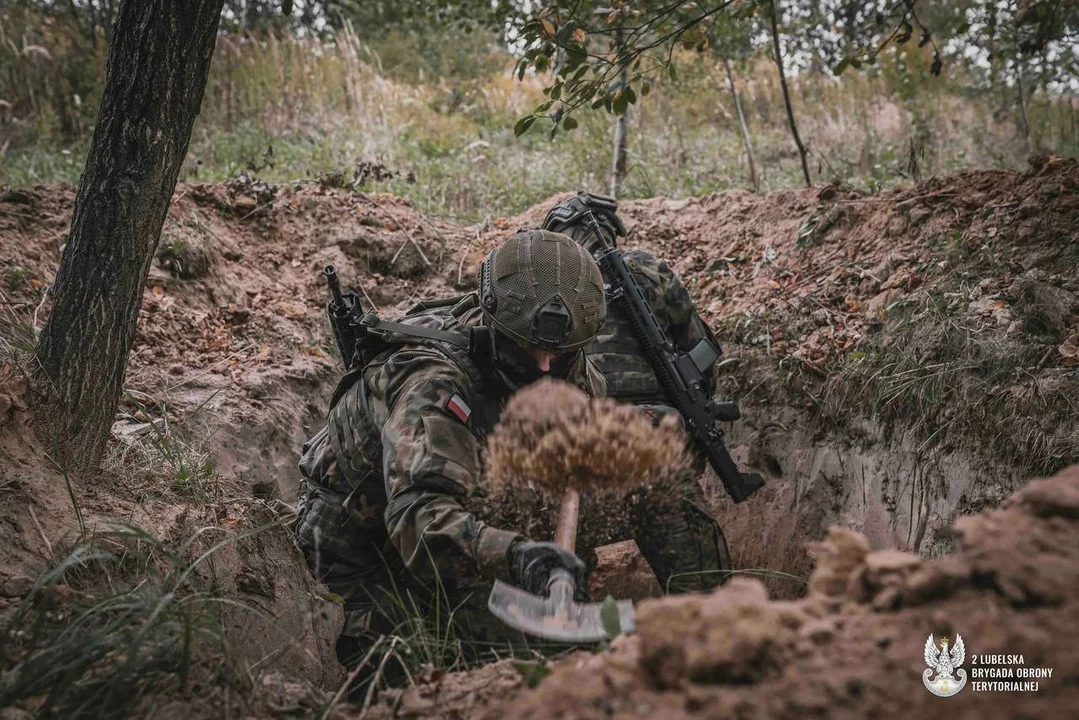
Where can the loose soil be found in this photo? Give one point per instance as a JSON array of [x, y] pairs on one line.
[[901, 359]]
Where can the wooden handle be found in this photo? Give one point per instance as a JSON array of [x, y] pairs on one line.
[[565, 535]]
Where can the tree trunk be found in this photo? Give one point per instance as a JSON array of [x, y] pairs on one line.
[[742, 126], [786, 93], [1020, 87], [621, 139], [155, 78], [621, 147]]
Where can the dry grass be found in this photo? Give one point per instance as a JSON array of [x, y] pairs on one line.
[[439, 113], [955, 388]]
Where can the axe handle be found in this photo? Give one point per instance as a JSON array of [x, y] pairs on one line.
[[565, 535]]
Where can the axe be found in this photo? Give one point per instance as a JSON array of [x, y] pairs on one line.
[[557, 617]]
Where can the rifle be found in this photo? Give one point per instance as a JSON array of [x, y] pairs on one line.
[[680, 374], [345, 314], [362, 335]]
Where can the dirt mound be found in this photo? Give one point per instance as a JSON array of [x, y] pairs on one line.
[[135, 559], [854, 647]]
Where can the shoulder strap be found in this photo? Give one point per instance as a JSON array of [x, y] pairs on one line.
[[379, 326], [424, 305]]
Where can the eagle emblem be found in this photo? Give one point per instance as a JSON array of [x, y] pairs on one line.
[[947, 665]]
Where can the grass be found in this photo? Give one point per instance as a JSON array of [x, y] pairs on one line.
[[439, 115], [957, 387], [115, 619], [160, 457]]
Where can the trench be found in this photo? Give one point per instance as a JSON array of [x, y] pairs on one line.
[[885, 484]]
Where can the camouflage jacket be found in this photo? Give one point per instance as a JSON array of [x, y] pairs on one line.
[[401, 451], [617, 352]]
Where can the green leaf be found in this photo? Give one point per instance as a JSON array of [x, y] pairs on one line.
[[531, 673], [631, 96], [569, 123], [574, 57], [608, 615], [620, 102], [545, 106], [845, 63], [542, 63], [332, 597], [523, 124], [556, 91], [645, 89], [671, 72]]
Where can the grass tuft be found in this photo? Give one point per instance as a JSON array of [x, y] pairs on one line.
[[114, 619]]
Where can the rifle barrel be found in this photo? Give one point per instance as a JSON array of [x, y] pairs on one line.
[[330, 273]]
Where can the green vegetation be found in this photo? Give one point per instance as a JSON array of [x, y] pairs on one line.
[[439, 114], [112, 620]]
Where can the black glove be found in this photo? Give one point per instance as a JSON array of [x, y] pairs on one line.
[[531, 564]]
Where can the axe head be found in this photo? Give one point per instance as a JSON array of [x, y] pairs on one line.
[[556, 617]]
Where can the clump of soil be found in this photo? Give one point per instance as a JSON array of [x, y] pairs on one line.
[[552, 436]]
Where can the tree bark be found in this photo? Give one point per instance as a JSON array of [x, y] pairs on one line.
[[742, 126], [786, 93], [154, 83], [1019, 86], [621, 139]]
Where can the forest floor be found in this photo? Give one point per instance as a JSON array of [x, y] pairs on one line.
[[903, 360]]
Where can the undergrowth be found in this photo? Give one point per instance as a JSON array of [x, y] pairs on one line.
[[116, 618], [956, 387], [438, 114]]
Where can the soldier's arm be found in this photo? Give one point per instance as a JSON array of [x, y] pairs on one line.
[[430, 461]]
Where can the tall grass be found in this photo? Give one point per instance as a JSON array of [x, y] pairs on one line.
[[114, 620], [439, 113]]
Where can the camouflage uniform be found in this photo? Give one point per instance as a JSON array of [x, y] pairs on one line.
[[682, 542], [387, 479]]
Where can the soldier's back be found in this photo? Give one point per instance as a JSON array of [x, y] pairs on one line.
[[618, 353]]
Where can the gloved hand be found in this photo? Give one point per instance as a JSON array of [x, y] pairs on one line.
[[531, 564]]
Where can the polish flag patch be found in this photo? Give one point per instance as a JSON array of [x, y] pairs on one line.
[[459, 407]]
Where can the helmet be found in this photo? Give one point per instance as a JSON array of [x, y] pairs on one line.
[[541, 290], [571, 217]]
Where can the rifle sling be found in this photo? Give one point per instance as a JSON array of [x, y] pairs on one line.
[[455, 339]]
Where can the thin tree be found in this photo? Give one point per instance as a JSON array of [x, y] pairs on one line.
[[621, 137], [742, 125], [155, 77], [786, 92]]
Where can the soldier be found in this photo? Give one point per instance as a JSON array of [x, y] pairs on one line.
[[382, 513], [687, 550]]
